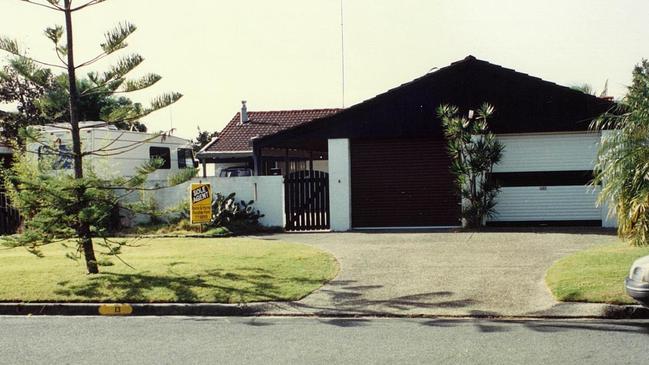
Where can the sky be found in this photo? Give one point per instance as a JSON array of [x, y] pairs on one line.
[[286, 54]]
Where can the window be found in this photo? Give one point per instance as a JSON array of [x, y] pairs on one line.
[[235, 172], [162, 153], [185, 158]]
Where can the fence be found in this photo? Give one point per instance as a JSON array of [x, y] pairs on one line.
[[307, 201], [267, 192], [9, 217]]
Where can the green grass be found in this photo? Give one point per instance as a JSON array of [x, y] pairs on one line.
[[222, 270], [595, 275]]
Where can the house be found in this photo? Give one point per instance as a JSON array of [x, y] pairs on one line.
[[388, 165], [233, 147]]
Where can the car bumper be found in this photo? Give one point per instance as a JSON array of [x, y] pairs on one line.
[[638, 290]]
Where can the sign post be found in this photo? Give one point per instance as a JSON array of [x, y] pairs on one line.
[[200, 197]]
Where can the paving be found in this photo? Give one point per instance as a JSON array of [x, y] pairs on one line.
[[495, 273]]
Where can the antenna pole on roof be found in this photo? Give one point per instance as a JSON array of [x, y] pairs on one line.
[[171, 120], [342, 50]]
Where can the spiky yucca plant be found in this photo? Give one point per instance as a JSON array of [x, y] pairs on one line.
[[474, 151]]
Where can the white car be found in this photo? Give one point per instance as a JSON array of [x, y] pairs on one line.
[[637, 284]]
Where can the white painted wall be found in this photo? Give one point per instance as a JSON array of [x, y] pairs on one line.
[[340, 185], [321, 165], [548, 151], [609, 219], [266, 191], [210, 169]]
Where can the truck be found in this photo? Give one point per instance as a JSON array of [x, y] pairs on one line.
[[119, 153]]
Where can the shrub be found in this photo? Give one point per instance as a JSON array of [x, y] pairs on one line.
[[473, 151], [236, 216]]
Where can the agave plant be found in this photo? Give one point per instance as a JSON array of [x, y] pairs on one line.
[[226, 211], [623, 160], [473, 151]]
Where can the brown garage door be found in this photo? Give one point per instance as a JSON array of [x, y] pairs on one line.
[[402, 183]]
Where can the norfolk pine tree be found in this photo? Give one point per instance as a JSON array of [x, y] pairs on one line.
[[78, 206]]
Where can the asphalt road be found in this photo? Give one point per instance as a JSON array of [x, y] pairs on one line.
[[267, 340]]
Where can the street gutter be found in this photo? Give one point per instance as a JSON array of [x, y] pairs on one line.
[[288, 309]]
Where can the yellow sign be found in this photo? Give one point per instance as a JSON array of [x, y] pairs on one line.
[[115, 309], [201, 203]]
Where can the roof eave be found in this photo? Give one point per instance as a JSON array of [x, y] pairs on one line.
[[208, 145], [223, 154]]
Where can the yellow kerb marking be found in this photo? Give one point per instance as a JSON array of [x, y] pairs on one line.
[[115, 309]]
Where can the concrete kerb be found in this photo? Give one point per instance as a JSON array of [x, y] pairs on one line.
[[560, 311], [133, 309]]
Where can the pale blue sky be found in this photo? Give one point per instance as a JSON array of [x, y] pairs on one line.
[[285, 54]]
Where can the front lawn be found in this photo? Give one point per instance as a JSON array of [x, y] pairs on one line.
[[222, 270], [595, 275]]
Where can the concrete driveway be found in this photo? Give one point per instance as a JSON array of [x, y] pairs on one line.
[[497, 273]]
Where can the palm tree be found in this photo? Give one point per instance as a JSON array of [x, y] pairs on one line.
[[623, 160], [584, 88]]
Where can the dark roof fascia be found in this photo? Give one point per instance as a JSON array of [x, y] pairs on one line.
[[226, 159]]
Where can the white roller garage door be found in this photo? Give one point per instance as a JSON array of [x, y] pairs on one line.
[[548, 152], [551, 203], [544, 178]]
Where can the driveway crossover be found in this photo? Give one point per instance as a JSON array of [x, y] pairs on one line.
[[440, 273]]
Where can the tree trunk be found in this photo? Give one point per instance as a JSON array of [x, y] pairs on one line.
[[83, 228]]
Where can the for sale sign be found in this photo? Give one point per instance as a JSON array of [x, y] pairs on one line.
[[201, 203]]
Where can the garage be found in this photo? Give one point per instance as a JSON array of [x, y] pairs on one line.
[[402, 183], [387, 160]]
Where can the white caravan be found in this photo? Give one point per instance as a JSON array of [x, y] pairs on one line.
[[118, 152]]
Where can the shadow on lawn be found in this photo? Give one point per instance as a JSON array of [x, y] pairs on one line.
[[211, 286]]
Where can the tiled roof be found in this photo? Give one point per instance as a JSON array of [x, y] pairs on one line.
[[237, 137]]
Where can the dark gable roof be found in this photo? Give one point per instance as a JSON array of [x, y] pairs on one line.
[[237, 137], [523, 104]]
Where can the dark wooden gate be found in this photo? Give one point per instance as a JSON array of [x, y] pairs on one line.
[[9, 217], [307, 201]]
